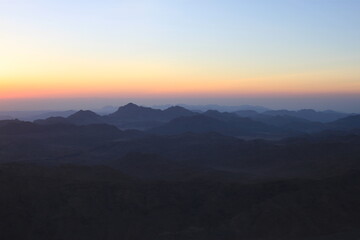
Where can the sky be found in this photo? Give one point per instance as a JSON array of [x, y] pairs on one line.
[[279, 53]]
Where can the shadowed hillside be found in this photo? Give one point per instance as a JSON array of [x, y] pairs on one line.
[[70, 202], [193, 177]]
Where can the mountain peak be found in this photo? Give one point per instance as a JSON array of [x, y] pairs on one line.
[[83, 113], [130, 105], [176, 109]]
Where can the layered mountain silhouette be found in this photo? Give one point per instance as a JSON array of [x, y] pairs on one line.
[[214, 121], [309, 114], [244, 123], [291, 123], [5, 117], [324, 153], [94, 181], [130, 116], [133, 112], [33, 115], [306, 120], [347, 123], [78, 118], [85, 118], [221, 108]]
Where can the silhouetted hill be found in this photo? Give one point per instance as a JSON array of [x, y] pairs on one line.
[[5, 117], [295, 124], [52, 120], [49, 114], [177, 111], [79, 118], [85, 118], [309, 114], [6, 122], [28, 129], [195, 124], [246, 123], [134, 113], [220, 108], [130, 116], [34, 115], [214, 121], [26, 141], [346, 123], [298, 121]]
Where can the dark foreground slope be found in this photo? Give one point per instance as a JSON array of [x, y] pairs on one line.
[[67, 182], [72, 203]]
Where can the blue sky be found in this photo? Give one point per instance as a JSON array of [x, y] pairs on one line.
[[252, 47]]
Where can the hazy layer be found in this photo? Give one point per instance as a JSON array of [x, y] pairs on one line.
[[349, 103]]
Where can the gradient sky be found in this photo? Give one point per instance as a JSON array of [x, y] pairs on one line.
[[179, 49]]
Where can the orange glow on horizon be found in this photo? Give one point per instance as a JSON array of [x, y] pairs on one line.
[[160, 89], [148, 79]]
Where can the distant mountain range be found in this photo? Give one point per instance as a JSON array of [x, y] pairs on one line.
[[133, 112], [214, 121], [309, 114], [220, 108], [33, 115], [347, 123], [79, 177], [243, 110], [5, 117], [244, 123], [130, 116]]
